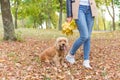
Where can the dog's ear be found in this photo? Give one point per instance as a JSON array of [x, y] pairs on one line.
[[56, 43], [66, 40]]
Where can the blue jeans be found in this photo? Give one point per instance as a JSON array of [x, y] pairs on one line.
[[85, 23]]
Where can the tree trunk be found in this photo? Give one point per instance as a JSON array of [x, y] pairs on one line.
[[103, 18], [113, 18], [34, 25], [112, 15], [9, 33], [16, 12], [60, 15]]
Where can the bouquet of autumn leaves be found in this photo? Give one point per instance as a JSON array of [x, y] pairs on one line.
[[67, 28]]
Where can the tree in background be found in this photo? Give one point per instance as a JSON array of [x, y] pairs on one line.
[[112, 14], [110, 7], [117, 3], [37, 12], [60, 14], [9, 33], [33, 13], [15, 4]]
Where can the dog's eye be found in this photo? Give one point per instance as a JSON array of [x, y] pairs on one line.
[[64, 40], [60, 41]]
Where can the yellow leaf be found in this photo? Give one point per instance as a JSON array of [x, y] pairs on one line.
[[67, 28]]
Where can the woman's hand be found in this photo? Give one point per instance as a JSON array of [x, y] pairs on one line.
[[69, 19]]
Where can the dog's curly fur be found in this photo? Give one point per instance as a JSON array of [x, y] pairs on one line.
[[56, 52]]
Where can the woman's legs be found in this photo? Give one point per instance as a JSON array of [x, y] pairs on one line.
[[82, 28], [86, 45], [84, 23]]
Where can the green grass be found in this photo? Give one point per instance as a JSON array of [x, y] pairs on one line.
[[23, 33], [42, 34]]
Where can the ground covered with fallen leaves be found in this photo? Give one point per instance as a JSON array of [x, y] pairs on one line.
[[18, 60]]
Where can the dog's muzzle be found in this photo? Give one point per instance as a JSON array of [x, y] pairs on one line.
[[63, 47]]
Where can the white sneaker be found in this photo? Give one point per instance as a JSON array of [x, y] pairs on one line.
[[86, 64], [70, 59]]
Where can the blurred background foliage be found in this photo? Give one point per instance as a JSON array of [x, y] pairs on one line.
[[51, 14]]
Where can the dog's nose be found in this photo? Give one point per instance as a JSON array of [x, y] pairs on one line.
[[63, 44]]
